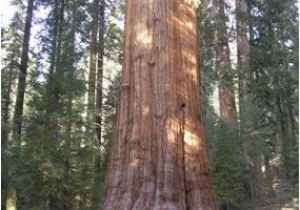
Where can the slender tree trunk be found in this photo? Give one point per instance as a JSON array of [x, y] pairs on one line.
[[50, 86], [58, 64], [98, 117], [69, 69], [54, 39], [98, 167], [18, 114], [19, 105], [286, 113], [293, 136], [93, 65], [268, 176], [282, 135], [158, 159], [252, 158], [228, 134], [223, 66], [291, 121], [243, 49], [56, 83]]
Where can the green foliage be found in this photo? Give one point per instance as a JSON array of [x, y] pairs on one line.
[[272, 106], [61, 167], [225, 162], [206, 32], [274, 47]]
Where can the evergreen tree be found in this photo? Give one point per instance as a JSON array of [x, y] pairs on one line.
[[274, 45], [11, 45], [251, 144], [19, 104], [223, 139], [159, 160], [158, 157]]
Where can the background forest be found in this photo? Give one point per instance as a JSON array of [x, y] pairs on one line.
[[60, 67]]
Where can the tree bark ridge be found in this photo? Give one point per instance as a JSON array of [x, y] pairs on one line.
[[158, 159]]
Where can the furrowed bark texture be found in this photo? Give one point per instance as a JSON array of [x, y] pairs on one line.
[[158, 159]]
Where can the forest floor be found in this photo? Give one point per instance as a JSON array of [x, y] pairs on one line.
[[286, 198]]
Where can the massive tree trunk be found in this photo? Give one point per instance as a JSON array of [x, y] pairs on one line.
[[252, 157], [158, 159], [223, 65]]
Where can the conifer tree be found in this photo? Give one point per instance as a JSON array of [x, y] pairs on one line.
[[157, 147], [93, 62], [11, 45], [18, 114], [227, 158], [19, 104], [158, 158], [99, 92], [253, 173], [273, 47], [223, 65]]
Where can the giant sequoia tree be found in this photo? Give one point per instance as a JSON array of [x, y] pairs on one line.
[[158, 159]]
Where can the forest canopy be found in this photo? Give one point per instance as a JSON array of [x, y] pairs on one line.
[[208, 98]]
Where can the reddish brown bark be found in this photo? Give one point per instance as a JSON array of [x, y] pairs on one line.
[[223, 65], [158, 159]]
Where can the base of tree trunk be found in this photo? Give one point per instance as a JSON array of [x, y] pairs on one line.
[[158, 159]]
